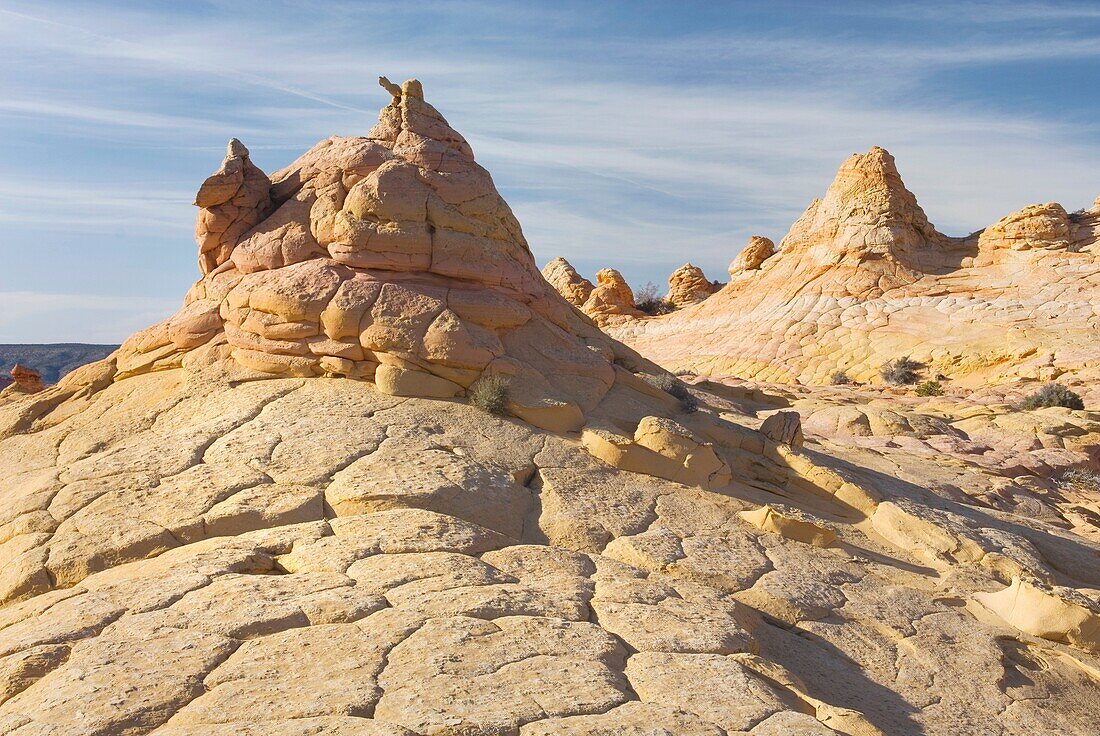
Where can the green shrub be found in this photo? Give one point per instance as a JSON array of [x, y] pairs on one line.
[[677, 388], [930, 388], [647, 300], [900, 372], [1052, 394], [840, 378], [490, 394]]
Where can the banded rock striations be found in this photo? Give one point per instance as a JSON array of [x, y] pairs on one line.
[[276, 513], [560, 274], [612, 300], [389, 257], [688, 285], [863, 278]]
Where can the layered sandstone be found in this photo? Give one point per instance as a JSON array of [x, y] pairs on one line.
[[389, 258], [612, 300], [863, 278], [575, 288], [688, 285], [752, 256], [23, 381], [278, 513]]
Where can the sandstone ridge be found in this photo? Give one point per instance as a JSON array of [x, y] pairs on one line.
[[862, 278]]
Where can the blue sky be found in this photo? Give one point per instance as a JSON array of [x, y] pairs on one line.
[[633, 134]]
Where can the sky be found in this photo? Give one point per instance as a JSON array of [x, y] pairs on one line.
[[639, 135]]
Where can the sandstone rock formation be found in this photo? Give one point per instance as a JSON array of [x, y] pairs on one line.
[[390, 258], [688, 285], [863, 278], [784, 427], [228, 527], [23, 381], [609, 302], [612, 300], [752, 256], [566, 281]]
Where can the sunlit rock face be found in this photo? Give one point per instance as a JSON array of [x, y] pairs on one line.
[[389, 257], [286, 512], [23, 381], [612, 300], [688, 285], [863, 278], [752, 256], [560, 274]]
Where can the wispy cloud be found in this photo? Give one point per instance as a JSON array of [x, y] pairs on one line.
[[92, 114], [38, 316], [102, 208]]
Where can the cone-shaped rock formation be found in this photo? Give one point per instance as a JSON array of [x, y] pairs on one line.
[[389, 257], [752, 256], [575, 288], [863, 278], [612, 300]]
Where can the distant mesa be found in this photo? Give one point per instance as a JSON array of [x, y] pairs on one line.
[[50, 360]]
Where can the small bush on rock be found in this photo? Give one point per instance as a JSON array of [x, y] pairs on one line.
[[1052, 394], [647, 300], [900, 372], [930, 388], [840, 378], [677, 388], [490, 394], [1079, 479]]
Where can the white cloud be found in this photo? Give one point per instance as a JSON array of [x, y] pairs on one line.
[[105, 206], [42, 317]]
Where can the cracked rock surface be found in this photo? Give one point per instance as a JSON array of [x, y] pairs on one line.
[[223, 529]]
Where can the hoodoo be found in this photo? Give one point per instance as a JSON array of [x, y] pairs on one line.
[[688, 285], [377, 477], [389, 258], [23, 381]]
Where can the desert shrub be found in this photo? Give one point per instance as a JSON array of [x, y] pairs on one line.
[[677, 388], [1052, 394], [900, 372], [1077, 215], [490, 394], [647, 300], [839, 378], [930, 388], [1080, 479]]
